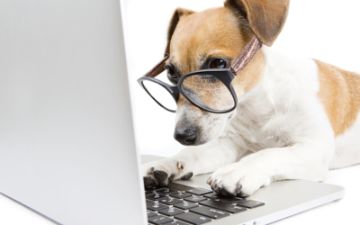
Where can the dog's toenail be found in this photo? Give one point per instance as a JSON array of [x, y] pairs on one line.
[[225, 193], [149, 182], [242, 195], [180, 166], [214, 187], [171, 178], [151, 169], [187, 176], [160, 175], [238, 188]]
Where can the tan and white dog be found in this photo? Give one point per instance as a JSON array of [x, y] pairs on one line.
[[296, 118]]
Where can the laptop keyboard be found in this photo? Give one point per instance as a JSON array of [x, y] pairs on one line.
[[182, 205]]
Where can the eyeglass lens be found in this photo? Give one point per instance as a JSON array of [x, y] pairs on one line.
[[160, 94], [208, 91]]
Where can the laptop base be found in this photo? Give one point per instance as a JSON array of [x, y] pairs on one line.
[[282, 199]]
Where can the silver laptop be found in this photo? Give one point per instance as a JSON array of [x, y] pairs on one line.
[[67, 148]]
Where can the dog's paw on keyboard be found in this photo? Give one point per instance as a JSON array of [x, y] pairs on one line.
[[158, 179], [162, 173], [238, 180]]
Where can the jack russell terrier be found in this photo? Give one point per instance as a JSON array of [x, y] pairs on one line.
[[292, 118]]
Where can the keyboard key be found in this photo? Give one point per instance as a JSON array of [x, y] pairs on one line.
[[155, 206], [248, 203], [160, 220], [193, 218], [195, 198], [151, 214], [177, 222], [209, 212], [226, 205], [212, 195], [163, 191], [179, 194], [199, 191], [169, 201], [186, 205], [171, 211], [154, 196]]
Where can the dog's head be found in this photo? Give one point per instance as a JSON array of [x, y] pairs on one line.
[[211, 39]]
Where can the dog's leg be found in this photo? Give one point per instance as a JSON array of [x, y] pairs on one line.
[[301, 161], [191, 161]]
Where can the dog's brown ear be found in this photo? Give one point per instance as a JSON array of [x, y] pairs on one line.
[[173, 23], [265, 17]]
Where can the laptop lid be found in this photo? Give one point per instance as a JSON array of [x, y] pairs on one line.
[[66, 137]]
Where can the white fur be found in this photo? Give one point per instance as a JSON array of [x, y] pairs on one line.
[[211, 124], [279, 131], [347, 147]]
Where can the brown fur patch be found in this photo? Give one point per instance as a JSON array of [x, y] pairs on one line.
[[340, 94], [266, 17], [215, 33], [251, 75], [180, 12]]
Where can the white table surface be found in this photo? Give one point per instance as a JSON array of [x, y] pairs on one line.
[[345, 211]]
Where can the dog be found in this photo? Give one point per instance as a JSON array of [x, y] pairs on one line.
[[295, 118]]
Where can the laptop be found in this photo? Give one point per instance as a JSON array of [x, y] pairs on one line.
[[67, 147]]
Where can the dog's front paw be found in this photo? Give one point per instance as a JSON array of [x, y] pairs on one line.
[[162, 173], [238, 180]]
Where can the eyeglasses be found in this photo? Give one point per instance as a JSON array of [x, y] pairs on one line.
[[209, 90]]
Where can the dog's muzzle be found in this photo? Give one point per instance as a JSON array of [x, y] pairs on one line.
[[186, 135]]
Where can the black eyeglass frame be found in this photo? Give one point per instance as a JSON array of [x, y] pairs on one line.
[[224, 75]]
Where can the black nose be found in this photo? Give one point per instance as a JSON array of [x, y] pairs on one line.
[[186, 136]]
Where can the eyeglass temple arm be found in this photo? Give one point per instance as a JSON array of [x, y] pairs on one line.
[[159, 68], [247, 54], [239, 63]]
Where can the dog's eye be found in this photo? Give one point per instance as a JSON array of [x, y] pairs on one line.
[[217, 63], [172, 74]]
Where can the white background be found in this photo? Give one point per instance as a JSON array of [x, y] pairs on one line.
[[322, 29]]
